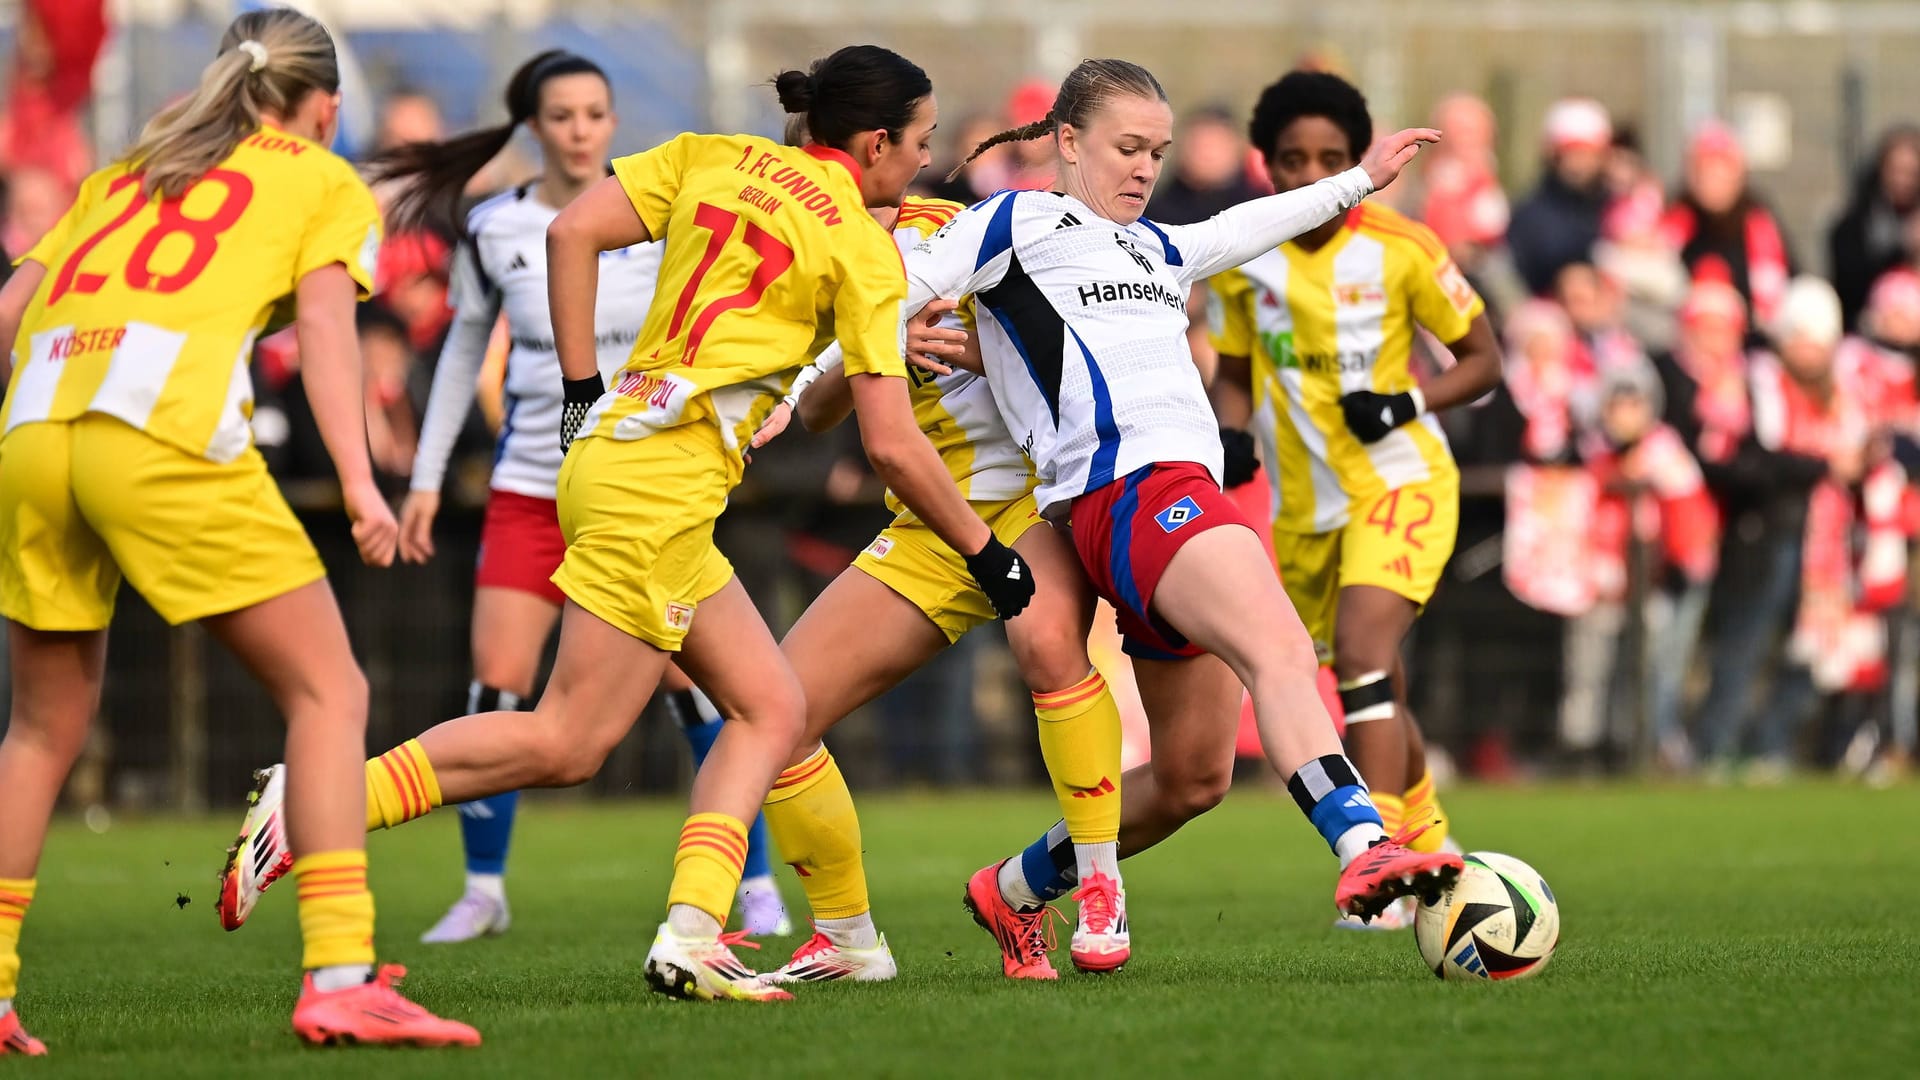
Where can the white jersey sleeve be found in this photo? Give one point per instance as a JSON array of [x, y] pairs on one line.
[[961, 258], [476, 307], [1239, 233]]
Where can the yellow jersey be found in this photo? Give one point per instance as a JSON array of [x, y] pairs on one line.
[[1319, 324], [149, 310], [957, 411], [770, 255]]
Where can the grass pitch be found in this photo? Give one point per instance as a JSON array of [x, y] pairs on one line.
[[1723, 932]]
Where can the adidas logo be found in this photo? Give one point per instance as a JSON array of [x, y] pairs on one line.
[[1357, 801], [1104, 787], [1013, 572], [1386, 415], [519, 263], [1067, 221], [1402, 566]]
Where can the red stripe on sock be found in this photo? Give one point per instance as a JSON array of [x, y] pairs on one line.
[[412, 769], [320, 894], [733, 859], [1078, 692], [399, 784], [718, 839], [802, 772], [16, 916], [14, 898]]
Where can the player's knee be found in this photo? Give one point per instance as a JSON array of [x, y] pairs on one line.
[[1193, 788], [778, 712], [1051, 659]]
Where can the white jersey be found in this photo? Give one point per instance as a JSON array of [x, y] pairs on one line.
[[502, 266], [1086, 343], [956, 411]]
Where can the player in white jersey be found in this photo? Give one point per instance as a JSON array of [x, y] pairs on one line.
[[1087, 354], [565, 101], [907, 597]]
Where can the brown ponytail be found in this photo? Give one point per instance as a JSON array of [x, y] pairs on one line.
[[268, 62], [435, 174], [1085, 90]]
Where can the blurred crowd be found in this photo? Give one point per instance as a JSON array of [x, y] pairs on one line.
[[1704, 440]]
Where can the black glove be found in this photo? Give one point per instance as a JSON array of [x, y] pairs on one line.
[[1004, 576], [577, 397], [1241, 461], [1372, 416]]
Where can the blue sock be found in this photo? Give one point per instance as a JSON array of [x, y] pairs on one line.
[[701, 724], [1048, 864], [486, 825], [1330, 793]]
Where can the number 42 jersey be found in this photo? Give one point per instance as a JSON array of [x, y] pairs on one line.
[[150, 308]]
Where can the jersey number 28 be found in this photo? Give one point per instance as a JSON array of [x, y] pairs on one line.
[[203, 232]]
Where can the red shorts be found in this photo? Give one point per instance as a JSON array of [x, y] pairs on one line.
[[521, 546], [1126, 534]]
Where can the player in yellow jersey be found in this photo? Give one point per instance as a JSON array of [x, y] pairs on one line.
[[1315, 339], [127, 453], [770, 254], [907, 597]]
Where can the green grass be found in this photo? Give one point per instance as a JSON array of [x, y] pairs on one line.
[[1706, 932]]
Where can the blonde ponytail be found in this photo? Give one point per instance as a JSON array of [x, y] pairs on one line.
[[268, 62]]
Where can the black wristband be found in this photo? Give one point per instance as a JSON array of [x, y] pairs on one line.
[[577, 397]]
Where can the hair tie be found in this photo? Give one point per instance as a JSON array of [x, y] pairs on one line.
[[257, 51]]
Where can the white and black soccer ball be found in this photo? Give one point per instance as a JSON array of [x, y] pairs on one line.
[[1498, 921]]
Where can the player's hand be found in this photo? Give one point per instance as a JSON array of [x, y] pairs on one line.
[[577, 397], [1240, 460], [1388, 156], [417, 512], [1371, 417], [928, 342], [375, 532], [1004, 576], [776, 422]]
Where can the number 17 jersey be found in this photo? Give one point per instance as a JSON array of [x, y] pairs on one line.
[[770, 255], [150, 308]]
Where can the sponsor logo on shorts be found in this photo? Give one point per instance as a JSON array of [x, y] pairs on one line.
[[880, 546], [1178, 514], [680, 616]]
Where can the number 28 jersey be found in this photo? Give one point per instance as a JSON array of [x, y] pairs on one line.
[[149, 309], [770, 255]]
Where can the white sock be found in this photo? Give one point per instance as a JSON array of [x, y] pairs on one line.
[[341, 977], [1355, 841], [1092, 859], [1014, 888], [703, 705], [491, 886], [6, 1006], [689, 921], [852, 932], [760, 883]]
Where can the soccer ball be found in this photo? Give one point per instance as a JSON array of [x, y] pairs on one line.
[[1498, 921]]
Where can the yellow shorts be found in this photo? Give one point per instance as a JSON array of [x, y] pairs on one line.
[[1400, 542], [85, 501], [907, 558], [638, 519]]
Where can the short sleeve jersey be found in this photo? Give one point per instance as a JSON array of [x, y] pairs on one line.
[[149, 309], [770, 255], [1318, 324]]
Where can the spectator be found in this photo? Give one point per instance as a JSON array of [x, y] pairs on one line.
[[1596, 306], [980, 177], [35, 199], [1784, 494], [392, 423], [1463, 203], [1032, 159], [1722, 229], [1875, 233], [1209, 170], [1632, 250], [1559, 223], [1705, 375], [52, 79], [1648, 490]]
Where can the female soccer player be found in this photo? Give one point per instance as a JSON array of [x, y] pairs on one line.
[[1315, 340], [1087, 354], [566, 101], [127, 452], [904, 599], [770, 253]]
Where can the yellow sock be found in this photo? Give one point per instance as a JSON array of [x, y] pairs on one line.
[[15, 895], [811, 818], [1423, 805], [706, 868], [400, 786], [336, 910], [1080, 741], [1393, 812]]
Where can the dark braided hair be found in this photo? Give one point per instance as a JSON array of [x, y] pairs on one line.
[[858, 88], [1085, 90]]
